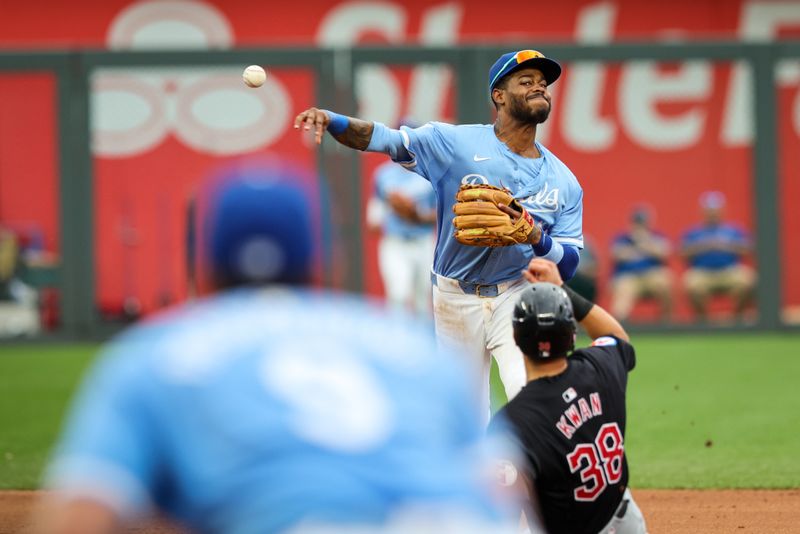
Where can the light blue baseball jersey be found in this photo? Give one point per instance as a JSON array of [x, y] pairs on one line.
[[450, 155], [254, 410], [391, 177]]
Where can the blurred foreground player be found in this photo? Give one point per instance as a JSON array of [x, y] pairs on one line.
[[569, 420], [276, 409]]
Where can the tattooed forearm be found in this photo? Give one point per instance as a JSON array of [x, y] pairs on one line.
[[357, 135]]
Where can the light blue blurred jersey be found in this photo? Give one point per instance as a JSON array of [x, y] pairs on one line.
[[449, 155], [254, 410], [391, 177]]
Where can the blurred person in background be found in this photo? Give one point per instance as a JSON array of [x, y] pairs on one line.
[[715, 251], [640, 269], [270, 407], [403, 209]]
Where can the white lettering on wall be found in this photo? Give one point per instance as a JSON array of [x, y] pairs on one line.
[[377, 94], [376, 88], [430, 83], [582, 123], [135, 109], [170, 24], [796, 114], [345, 23], [209, 110], [760, 22], [643, 87]]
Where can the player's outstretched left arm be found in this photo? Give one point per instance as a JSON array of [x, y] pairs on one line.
[[594, 319]]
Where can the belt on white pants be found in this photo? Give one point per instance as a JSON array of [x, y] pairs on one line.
[[451, 285]]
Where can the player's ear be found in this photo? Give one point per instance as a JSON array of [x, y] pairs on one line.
[[498, 96]]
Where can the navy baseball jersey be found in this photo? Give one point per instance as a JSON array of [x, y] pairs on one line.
[[571, 429], [450, 155], [257, 410]]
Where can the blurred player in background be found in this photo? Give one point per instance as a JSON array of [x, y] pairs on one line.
[[715, 253], [272, 409], [640, 267], [475, 287], [403, 209], [569, 420]]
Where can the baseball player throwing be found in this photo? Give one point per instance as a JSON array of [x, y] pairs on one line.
[[502, 199], [570, 417]]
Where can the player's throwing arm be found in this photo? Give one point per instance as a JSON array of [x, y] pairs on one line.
[[349, 131]]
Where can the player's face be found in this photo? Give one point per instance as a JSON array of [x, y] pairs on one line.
[[528, 97], [713, 215]]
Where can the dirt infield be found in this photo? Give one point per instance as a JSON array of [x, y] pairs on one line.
[[666, 511]]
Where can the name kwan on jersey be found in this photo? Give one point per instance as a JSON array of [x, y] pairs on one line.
[[578, 413]]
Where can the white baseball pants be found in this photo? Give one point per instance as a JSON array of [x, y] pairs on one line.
[[480, 328], [405, 266], [628, 518]]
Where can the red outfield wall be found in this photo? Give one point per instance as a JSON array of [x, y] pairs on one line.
[[659, 134]]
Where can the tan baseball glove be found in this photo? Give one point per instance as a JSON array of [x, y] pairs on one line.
[[480, 223]]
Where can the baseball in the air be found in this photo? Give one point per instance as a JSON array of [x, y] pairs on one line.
[[254, 76]]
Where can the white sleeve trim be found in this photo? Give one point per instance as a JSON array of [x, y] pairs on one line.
[[406, 139], [555, 253], [569, 241], [412, 163]]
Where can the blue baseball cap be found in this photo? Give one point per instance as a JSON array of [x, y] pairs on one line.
[[508, 63], [258, 230]]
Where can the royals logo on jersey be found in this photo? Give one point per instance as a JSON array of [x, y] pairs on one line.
[[474, 179], [545, 200]]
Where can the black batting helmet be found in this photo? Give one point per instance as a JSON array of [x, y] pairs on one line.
[[544, 324]]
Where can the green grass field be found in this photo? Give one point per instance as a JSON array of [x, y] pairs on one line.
[[715, 411], [36, 382]]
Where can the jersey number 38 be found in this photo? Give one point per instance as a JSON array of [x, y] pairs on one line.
[[600, 463]]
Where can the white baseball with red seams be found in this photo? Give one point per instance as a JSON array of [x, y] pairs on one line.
[[254, 76]]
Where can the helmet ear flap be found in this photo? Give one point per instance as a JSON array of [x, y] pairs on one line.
[[543, 322]]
